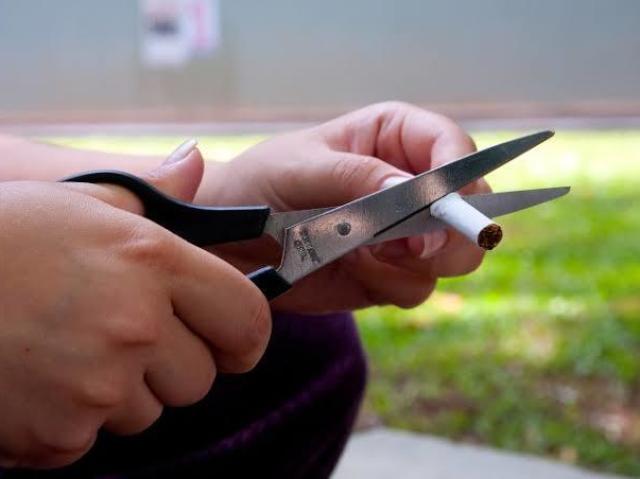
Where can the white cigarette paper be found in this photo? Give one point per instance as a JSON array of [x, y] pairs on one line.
[[463, 217]]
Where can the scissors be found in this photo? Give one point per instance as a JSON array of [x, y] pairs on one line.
[[310, 239]]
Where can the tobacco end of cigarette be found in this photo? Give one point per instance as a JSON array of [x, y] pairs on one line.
[[490, 236]]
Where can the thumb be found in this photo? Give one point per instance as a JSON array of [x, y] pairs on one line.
[[180, 174]]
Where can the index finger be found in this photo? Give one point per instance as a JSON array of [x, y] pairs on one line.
[[403, 135], [213, 300], [222, 306]]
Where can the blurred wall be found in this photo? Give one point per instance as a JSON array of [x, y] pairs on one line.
[[80, 58]]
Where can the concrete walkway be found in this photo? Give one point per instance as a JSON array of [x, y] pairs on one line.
[[386, 453]]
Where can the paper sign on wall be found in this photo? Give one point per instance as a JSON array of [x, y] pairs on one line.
[[175, 31]]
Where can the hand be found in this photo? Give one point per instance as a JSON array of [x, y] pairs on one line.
[[106, 317], [331, 164]]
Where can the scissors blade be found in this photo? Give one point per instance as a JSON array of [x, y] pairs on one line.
[[312, 243], [491, 204], [278, 222]]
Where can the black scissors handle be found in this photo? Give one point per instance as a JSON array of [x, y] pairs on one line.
[[200, 225]]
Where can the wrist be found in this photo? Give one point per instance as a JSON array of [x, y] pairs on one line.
[[27, 160]]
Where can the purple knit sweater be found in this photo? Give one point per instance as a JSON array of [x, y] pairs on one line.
[[289, 417]]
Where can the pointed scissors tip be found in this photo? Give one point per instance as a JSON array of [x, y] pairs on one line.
[[517, 147], [540, 136], [556, 192]]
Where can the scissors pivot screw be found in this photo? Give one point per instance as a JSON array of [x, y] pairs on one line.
[[343, 229]]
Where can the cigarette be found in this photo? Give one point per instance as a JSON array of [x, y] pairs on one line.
[[463, 217]]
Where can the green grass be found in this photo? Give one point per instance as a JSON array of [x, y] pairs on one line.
[[539, 350]]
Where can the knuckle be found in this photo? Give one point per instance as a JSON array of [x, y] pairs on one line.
[[68, 446], [100, 393], [243, 363], [456, 133], [147, 245], [153, 414], [385, 107], [141, 329], [352, 172], [201, 386], [394, 105], [193, 387], [144, 420]]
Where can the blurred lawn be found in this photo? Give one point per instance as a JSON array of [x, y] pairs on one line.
[[539, 350]]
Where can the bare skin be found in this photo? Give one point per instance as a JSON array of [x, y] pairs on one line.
[[331, 164], [327, 165], [106, 317]]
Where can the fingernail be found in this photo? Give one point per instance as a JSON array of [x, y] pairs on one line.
[[393, 181], [433, 242], [181, 152]]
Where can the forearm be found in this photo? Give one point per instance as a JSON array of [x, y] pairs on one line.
[[22, 159]]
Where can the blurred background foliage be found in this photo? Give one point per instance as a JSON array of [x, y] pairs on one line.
[[538, 350]]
